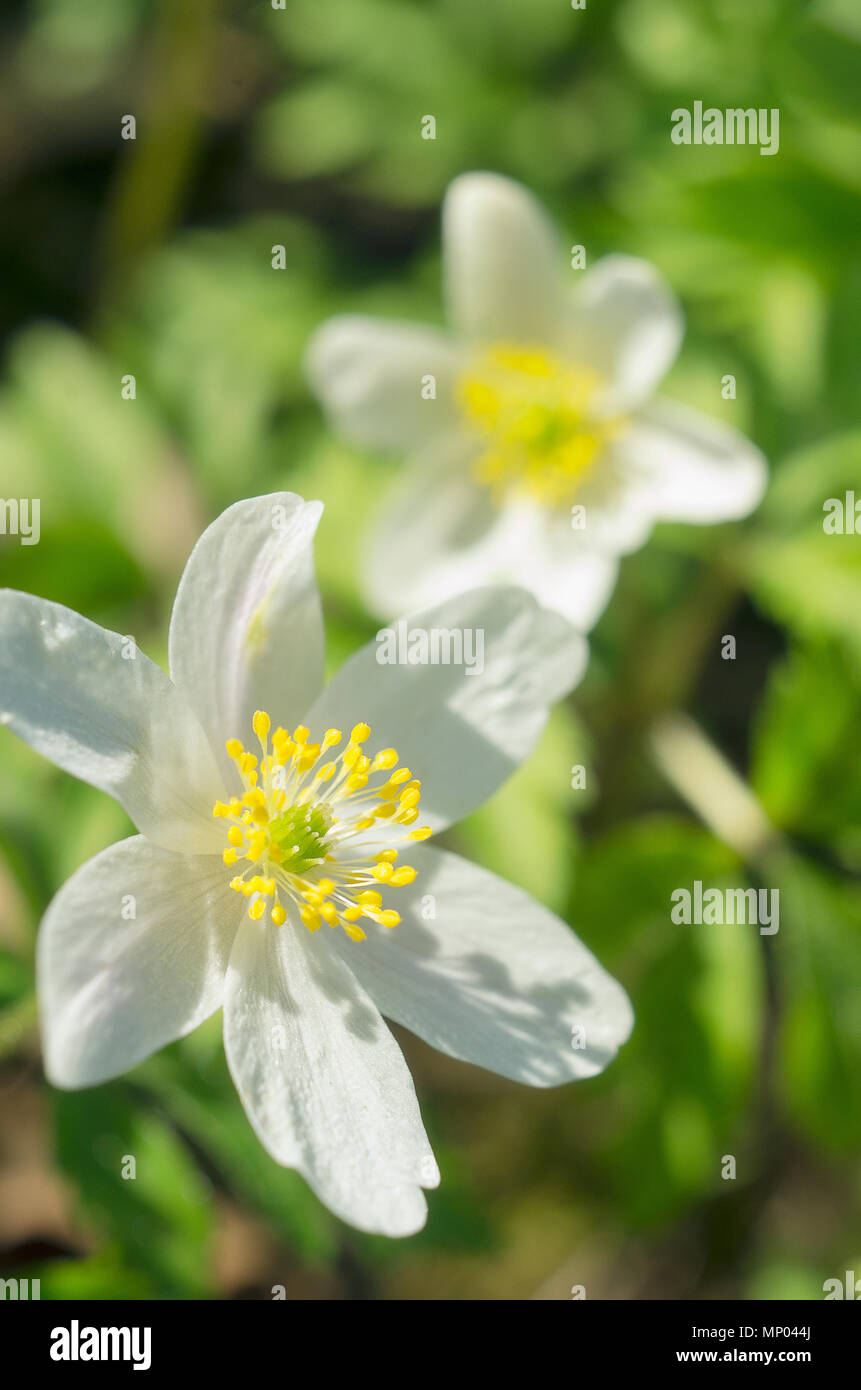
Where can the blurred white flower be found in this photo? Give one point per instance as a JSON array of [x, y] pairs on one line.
[[539, 401], [244, 856]]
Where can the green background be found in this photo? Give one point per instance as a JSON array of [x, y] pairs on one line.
[[302, 127]]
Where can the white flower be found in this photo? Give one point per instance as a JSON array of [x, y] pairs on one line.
[[245, 856], [542, 403]]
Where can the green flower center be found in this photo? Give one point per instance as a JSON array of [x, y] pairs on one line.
[[300, 834]]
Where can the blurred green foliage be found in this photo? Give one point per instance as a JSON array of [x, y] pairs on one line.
[[302, 127]]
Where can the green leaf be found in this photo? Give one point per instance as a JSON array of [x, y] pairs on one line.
[[681, 1084], [819, 957], [801, 575], [806, 765], [161, 1217], [201, 1098]]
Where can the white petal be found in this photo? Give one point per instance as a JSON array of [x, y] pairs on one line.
[[502, 262], [492, 978], [618, 517], [461, 728], [628, 326], [369, 374], [685, 466], [113, 988], [247, 628], [435, 540], [543, 553], [323, 1081], [97, 707]]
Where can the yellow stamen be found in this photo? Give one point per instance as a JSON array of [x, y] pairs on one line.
[[294, 816], [537, 422]]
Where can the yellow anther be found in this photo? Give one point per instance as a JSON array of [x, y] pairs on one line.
[[284, 824], [310, 754], [385, 759], [533, 415], [424, 832], [405, 874]]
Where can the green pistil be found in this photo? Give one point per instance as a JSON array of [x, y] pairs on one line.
[[300, 833]]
